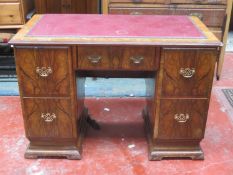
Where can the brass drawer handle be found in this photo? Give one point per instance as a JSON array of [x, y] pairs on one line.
[[48, 117], [181, 118], [43, 71], [137, 1], [187, 72], [136, 13], [197, 1], [137, 59], [94, 59], [199, 15]]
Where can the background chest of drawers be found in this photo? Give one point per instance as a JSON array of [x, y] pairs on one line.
[[13, 13], [67, 6], [214, 13]]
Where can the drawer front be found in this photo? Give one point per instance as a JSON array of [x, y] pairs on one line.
[[217, 32], [182, 119], [199, 1], [8, 1], [139, 1], [140, 11], [43, 71], [94, 58], [187, 72], [138, 58], [211, 17], [171, 1], [48, 118], [10, 13], [120, 58]]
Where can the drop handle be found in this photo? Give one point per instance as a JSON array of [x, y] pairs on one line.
[[48, 117], [197, 1], [199, 15], [187, 72], [137, 59], [43, 71], [136, 13], [94, 59], [181, 118]]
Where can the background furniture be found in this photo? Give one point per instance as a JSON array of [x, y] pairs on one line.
[[7, 66], [12, 17], [231, 21], [67, 6], [52, 70], [215, 13], [13, 13]]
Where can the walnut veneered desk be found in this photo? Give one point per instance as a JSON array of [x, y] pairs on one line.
[[53, 58]]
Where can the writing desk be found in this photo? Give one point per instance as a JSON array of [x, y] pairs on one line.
[[54, 54]]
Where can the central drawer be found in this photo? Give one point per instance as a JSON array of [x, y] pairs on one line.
[[117, 58]]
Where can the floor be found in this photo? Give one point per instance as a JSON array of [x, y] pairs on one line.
[[120, 146], [230, 42]]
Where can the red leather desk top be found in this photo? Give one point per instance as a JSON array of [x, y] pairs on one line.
[[73, 25]]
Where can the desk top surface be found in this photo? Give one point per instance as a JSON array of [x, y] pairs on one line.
[[115, 29]]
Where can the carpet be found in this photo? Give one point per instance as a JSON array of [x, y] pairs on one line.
[[229, 95], [225, 99]]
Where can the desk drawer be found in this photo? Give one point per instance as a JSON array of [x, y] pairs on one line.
[[138, 58], [10, 13], [94, 58], [48, 118], [118, 58], [43, 71], [182, 119], [213, 17], [187, 72]]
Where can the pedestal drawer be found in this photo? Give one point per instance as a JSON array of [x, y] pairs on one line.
[[48, 118], [187, 72], [182, 119], [43, 71]]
